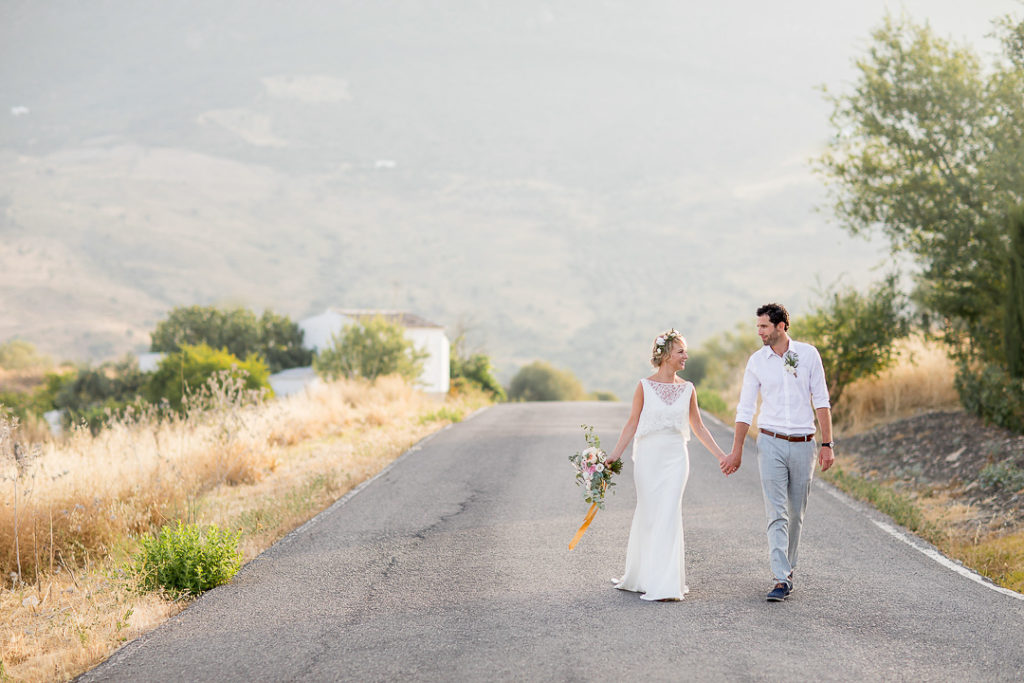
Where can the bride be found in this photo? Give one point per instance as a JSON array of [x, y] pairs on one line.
[[664, 411]]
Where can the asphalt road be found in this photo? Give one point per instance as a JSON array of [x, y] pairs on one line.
[[453, 565]]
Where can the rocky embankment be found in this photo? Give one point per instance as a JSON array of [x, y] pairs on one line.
[[947, 451]]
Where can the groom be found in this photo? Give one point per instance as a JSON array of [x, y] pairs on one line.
[[789, 376]]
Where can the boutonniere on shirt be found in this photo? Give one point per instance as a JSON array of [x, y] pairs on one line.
[[790, 362]]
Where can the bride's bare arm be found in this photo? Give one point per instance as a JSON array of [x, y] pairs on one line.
[[697, 425], [630, 428]]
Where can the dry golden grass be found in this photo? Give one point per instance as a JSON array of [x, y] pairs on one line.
[[998, 556], [921, 380], [262, 469]]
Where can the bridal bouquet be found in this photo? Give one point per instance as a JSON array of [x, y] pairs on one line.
[[593, 473]]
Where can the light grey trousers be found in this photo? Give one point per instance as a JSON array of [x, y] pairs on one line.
[[787, 469]]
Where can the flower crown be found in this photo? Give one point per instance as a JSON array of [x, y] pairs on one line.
[[665, 341]]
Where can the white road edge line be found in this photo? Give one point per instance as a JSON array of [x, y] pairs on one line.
[[924, 550]]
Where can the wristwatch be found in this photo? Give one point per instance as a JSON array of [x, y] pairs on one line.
[[830, 444]]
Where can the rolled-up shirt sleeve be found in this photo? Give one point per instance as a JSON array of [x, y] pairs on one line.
[[748, 395], [819, 390]]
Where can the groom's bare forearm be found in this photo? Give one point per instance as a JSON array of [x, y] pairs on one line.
[[740, 437], [825, 423]]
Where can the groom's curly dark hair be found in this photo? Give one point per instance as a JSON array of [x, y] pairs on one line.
[[776, 313]]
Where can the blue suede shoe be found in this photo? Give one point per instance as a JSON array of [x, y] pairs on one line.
[[779, 593]]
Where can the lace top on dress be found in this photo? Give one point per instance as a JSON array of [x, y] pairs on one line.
[[666, 409]]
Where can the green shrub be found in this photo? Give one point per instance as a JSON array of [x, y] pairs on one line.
[[539, 381], [600, 395], [474, 368], [187, 371], [370, 349], [1005, 476], [18, 354], [23, 404], [186, 560], [991, 393], [710, 401], [91, 395]]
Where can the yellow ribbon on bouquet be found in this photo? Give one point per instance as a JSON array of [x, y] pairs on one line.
[[586, 522]]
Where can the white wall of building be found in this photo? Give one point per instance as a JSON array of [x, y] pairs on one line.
[[436, 375]]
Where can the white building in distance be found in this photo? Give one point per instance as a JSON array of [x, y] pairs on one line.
[[425, 336]]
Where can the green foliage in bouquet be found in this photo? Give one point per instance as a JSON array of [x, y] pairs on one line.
[[593, 472], [187, 560]]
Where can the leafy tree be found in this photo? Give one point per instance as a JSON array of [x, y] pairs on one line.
[[928, 150], [239, 331], [539, 381], [187, 370], [995, 391], [234, 330], [1014, 319], [280, 342], [370, 349], [854, 333], [474, 368]]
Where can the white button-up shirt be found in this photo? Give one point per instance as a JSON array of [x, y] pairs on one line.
[[789, 385]]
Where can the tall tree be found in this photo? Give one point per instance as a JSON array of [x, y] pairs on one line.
[[927, 151], [274, 337], [1014, 322], [280, 342]]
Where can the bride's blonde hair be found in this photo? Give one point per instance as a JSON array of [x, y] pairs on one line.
[[663, 345]]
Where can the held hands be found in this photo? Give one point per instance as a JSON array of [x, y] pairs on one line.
[[731, 463]]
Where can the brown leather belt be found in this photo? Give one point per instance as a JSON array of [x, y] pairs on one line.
[[787, 437]]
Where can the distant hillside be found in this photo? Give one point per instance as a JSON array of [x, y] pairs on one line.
[[565, 180]]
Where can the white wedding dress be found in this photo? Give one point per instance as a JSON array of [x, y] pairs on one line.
[[654, 555]]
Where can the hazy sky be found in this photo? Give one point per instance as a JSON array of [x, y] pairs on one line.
[[602, 168]]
